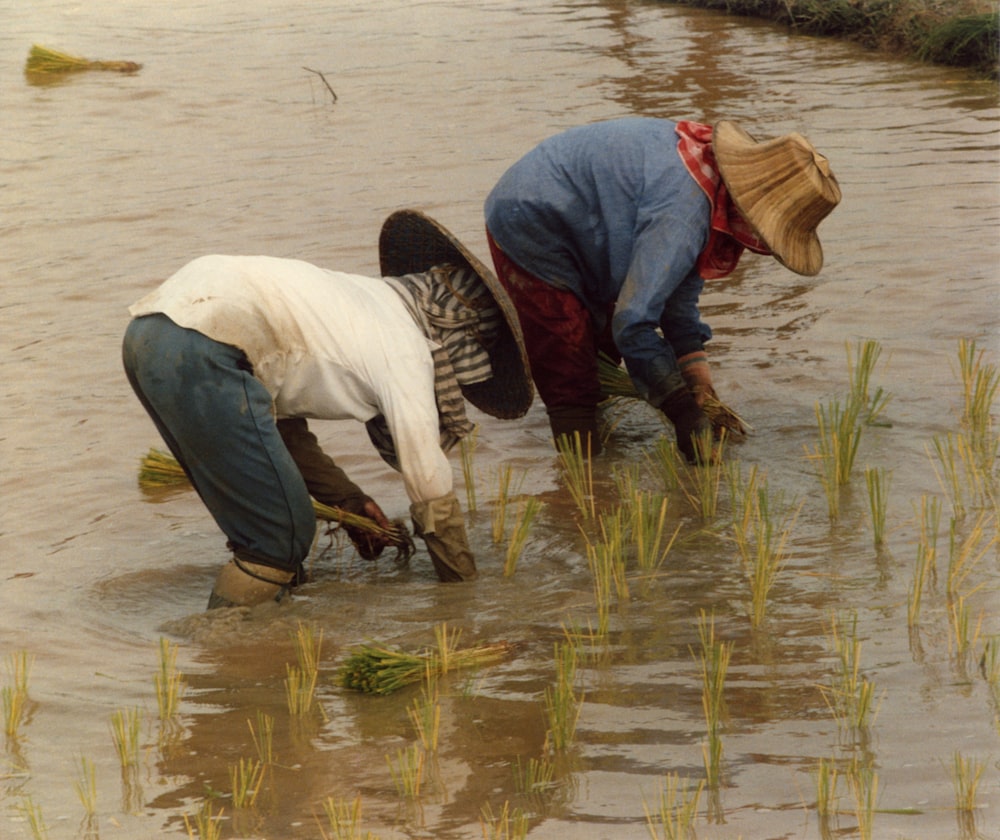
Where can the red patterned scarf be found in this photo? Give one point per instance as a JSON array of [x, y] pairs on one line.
[[730, 232]]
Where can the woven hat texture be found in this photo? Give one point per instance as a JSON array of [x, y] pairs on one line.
[[783, 187], [412, 242]]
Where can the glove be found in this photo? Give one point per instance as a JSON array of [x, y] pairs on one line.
[[564, 420], [690, 423], [369, 545], [442, 526], [697, 374]]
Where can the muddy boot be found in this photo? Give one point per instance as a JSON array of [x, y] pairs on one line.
[[244, 584]]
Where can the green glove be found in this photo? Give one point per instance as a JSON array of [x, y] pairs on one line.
[[442, 526]]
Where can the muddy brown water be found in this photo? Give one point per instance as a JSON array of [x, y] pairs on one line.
[[225, 143]]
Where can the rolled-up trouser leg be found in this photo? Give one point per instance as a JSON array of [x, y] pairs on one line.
[[217, 420]]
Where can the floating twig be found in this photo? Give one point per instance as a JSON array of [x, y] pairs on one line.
[[333, 93]]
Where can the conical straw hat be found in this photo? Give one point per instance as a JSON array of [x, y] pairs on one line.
[[784, 188], [412, 242]]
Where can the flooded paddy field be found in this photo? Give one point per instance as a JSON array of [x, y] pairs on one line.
[[225, 143]]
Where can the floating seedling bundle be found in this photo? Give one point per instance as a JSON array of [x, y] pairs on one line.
[[45, 61], [378, 669], [616, 384]]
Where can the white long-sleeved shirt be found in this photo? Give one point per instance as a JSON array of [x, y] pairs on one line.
[[325, 345]]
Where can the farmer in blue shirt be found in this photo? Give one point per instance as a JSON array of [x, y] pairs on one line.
[[603, 236]]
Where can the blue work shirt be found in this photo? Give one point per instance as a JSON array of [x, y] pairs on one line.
[[609, 212]]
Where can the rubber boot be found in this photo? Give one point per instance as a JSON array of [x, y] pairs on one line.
[[244, 584]]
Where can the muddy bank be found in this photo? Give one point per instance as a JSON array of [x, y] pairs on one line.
[[959, 33]]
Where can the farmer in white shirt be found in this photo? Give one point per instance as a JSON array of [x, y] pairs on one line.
[[232, 354]]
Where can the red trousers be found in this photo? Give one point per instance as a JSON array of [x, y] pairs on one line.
[[559, 334]]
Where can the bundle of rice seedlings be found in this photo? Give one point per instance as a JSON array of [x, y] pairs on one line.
[[377, 669], [616, 384], [45, 60], [161, 469]]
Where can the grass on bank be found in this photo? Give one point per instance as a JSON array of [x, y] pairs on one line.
[[959, 33]]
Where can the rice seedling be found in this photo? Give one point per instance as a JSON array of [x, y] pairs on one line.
[[762, 532], [308, 647], [980, 383], [468, 453], [245, 779], [989, 665], [949, 474], [699, 483], [263, 738], [836, 449], [86, 786], [535, 777], [377, 669], [676, 809], [589, 642], [46, 61], [577, 471], [862, 781], [425, 713], [125, 730], [930, 525], [962, 633], [344, 819], [407, 771], [562, 702], [300, 690], [168, 681], [15, 695], [870, 403], [966, 552], [742, 494], [33, 817], [646, 527], [606, 561], [501, 502], [714, 657], [205, 825], [965, 776], [877, 482], [851, 697], [921, 572], [827, 797], [300, 682], [609, 551], [509, 824], [527, 510]]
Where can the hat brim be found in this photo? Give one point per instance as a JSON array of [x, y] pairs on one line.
[[739, 165], [411, 242]]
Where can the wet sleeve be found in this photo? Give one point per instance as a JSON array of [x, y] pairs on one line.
[[326, 482], [661, 279], [407, 401]]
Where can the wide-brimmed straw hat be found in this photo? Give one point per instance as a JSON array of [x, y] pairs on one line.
[[784, 188], [412, 242]]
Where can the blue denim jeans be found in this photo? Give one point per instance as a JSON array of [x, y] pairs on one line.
[[218, 422]]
